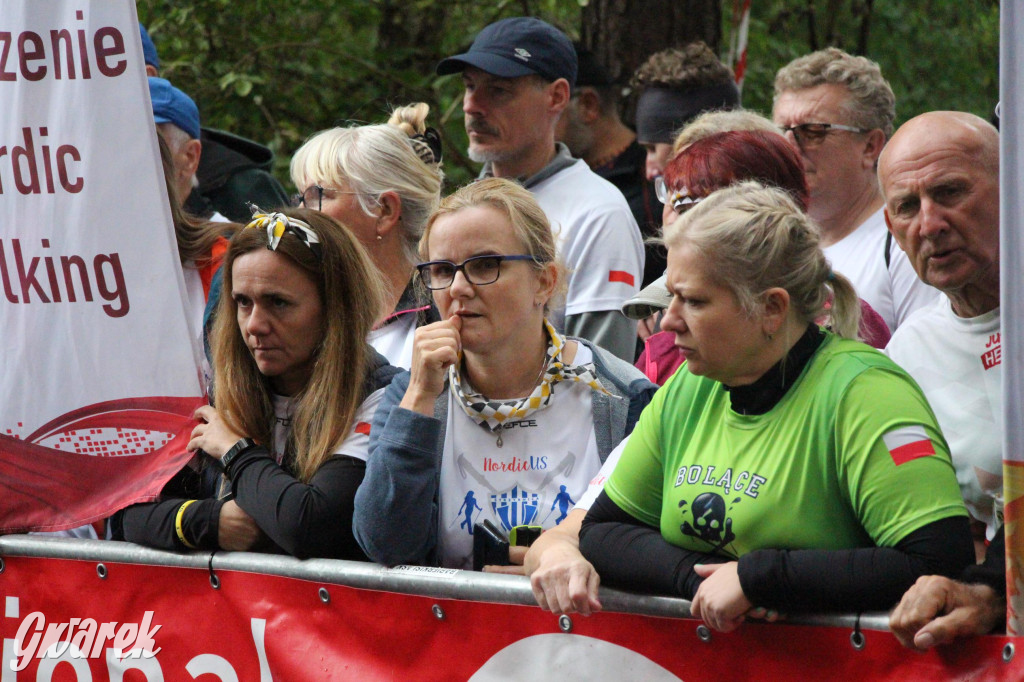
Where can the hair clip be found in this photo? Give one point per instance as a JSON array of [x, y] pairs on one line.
[[427, 146], [276, 224]]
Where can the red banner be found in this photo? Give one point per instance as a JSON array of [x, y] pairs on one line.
[[88, 464], [255, 627]]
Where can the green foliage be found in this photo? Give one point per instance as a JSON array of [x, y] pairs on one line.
[[936, 54], [277, 71]]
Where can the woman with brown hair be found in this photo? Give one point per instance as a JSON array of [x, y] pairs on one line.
[[295, 388]]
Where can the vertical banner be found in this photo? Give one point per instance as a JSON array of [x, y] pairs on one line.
[[1011, 257], [98, 373]]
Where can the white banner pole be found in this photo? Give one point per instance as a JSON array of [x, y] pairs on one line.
[[1011, 258]]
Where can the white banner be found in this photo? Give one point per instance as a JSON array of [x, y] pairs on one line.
[[92, 307]]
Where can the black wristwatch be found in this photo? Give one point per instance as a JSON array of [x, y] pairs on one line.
[[243, 445]]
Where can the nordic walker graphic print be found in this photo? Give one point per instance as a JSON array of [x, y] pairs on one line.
[[99, 371], [508, 486]]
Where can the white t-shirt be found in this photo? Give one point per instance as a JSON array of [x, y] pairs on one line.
[[597, 237], [958, 364], [596, 484], [543, 466], [394, 341], [356, 444], [894, 293]]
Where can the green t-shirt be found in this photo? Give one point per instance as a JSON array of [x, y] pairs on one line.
[[812, 473]]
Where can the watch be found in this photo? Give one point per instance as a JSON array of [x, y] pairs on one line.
[[243, 445]]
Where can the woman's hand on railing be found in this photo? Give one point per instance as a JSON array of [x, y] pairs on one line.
[[236, 530], [562, 580], [719, 600]]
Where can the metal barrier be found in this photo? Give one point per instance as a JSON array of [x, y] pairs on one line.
[[441, 583], [244, 616]]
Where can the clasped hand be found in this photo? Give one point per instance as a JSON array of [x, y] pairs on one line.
[[720, 601], [211, 435]]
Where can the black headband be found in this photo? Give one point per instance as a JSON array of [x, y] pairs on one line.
[[661, 112]]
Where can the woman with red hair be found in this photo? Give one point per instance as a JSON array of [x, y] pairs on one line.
[[710, 164]]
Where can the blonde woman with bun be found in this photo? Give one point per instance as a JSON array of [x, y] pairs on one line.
[[382, 182]]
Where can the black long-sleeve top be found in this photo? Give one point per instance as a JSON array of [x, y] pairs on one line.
[[301, 519], [993, 571]]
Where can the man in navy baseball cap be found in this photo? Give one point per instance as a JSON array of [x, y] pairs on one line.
[[518, 47], [518, 76]]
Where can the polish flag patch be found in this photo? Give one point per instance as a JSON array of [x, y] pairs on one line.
[[621, 276], [363, 428], [907, 443]]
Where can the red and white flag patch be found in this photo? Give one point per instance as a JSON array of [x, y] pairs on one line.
[[907, 443], [621, 276]]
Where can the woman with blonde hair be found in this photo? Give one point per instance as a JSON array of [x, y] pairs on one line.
[[784, 467], [296, 385], [501, 419], [382, 182]]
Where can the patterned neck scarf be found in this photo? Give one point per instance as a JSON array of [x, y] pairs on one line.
[[493, 413]]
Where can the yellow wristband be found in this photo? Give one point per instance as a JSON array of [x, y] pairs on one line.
[[177, 524]]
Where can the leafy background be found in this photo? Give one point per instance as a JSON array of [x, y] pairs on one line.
[[277, 71]]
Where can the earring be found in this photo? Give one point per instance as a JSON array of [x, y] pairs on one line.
[[379, 237]]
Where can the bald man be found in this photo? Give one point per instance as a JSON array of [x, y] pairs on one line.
[[939, 175]]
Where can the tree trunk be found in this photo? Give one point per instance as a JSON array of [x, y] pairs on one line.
[[623, 33]]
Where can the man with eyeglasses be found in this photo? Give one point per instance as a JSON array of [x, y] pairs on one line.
[[838, 111], [518, 76]]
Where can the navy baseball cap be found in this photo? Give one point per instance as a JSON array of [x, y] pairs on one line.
[[520, 46], [148, 48], [171, 105]]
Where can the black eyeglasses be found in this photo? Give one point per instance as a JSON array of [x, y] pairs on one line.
[[313, 197], [813, 134], [479, 270]]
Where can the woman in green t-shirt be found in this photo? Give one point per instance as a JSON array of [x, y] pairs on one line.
[[784, 467]]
